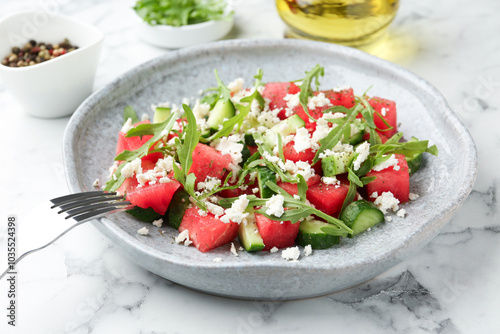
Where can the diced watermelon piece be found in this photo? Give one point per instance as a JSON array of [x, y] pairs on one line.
[[276, 233], [395, 181], [131, 143], [207, 232], [238, 192], [328, 198], [343, 98], [307, 155], [291, 188], [390, 115], [276, 91], [207, 161], [156, 196]]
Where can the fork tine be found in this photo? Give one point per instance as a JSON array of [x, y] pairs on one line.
[[90, 208], [101, 212], [94, 200], [79, 196]]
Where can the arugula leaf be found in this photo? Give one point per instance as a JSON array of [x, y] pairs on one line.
[[181, 12], [129, 112], [351, 194], [305, 87], [408, 149], [225, 92], [191, 138], [335, 135], [302, 188]]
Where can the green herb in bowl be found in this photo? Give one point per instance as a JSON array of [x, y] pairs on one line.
[[181, 12]]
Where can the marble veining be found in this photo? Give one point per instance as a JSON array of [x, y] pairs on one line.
[[83, 284]]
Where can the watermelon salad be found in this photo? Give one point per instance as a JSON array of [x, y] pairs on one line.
[[277, 165]]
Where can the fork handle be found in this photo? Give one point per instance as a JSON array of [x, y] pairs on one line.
[[42, 247]]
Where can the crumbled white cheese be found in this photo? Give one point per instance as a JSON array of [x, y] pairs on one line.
[[386, 202], [200, 110], [391, 162], [308, 250], [236, 213], [274, 206], [214, 209], [296, 197], [339, 89], [96, 183], [413, 196], [230, 145], [292, 100], [236, 85], [133, 167], [202, 213], [363, 151], [217, 260], [302, 141], [255, 190], [183, 237], [145, 117], [401, 213], [273, 250], [383, 111], [158, 222], [127, 126], [291, 253], [143, 231], [374, 194], [330, 180], [271, 158], [388, 218], [209, 184], [233, 250], [319, 100]]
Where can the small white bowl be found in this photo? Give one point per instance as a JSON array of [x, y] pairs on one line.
[[55, 87], [170, 37]]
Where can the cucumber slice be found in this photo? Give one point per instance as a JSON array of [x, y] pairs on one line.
[[284, 128], [361, 215], [245, 154], [146, 215], [337, 164], [222, 109], [249, 235], [161, 114], [356, 139], [264, 174], [310, 233], [177, 207]]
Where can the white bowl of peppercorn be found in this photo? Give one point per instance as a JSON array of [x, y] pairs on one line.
[[48, 62]]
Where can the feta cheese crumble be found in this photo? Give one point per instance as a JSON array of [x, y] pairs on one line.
[[143, 231], [217, 260], [233, 250], [96, 183], [401, 213], [291, 254], [386, 202], [127, 126], [274, 206], [363, 151], [308, 250], [158, 222], [413, 196], [236, 213], [183, 237], [273, 250], [391, 162]]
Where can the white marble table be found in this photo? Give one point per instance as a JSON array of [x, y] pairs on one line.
[[83, 284]]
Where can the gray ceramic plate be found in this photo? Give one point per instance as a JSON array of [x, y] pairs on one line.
[[443, 183]]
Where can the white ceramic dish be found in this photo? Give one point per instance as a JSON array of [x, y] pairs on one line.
[[443, 183], [169, 37], [56, 87]]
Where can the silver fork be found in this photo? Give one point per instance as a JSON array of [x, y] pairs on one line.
[[82, 207]]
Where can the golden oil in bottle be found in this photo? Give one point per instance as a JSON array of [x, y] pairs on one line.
[[348, 22]]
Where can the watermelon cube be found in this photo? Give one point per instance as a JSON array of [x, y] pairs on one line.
[[328, 198], [207, 161], [385, 109], [156, 196], [205, 231], [276, 233], [395, 181], [276, 91]]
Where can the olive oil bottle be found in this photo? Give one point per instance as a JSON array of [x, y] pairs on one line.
[[350, 22]]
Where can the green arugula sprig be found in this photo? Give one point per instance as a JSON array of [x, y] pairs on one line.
[[129, 112], [185, 148], [157, 130], [305, 87]]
